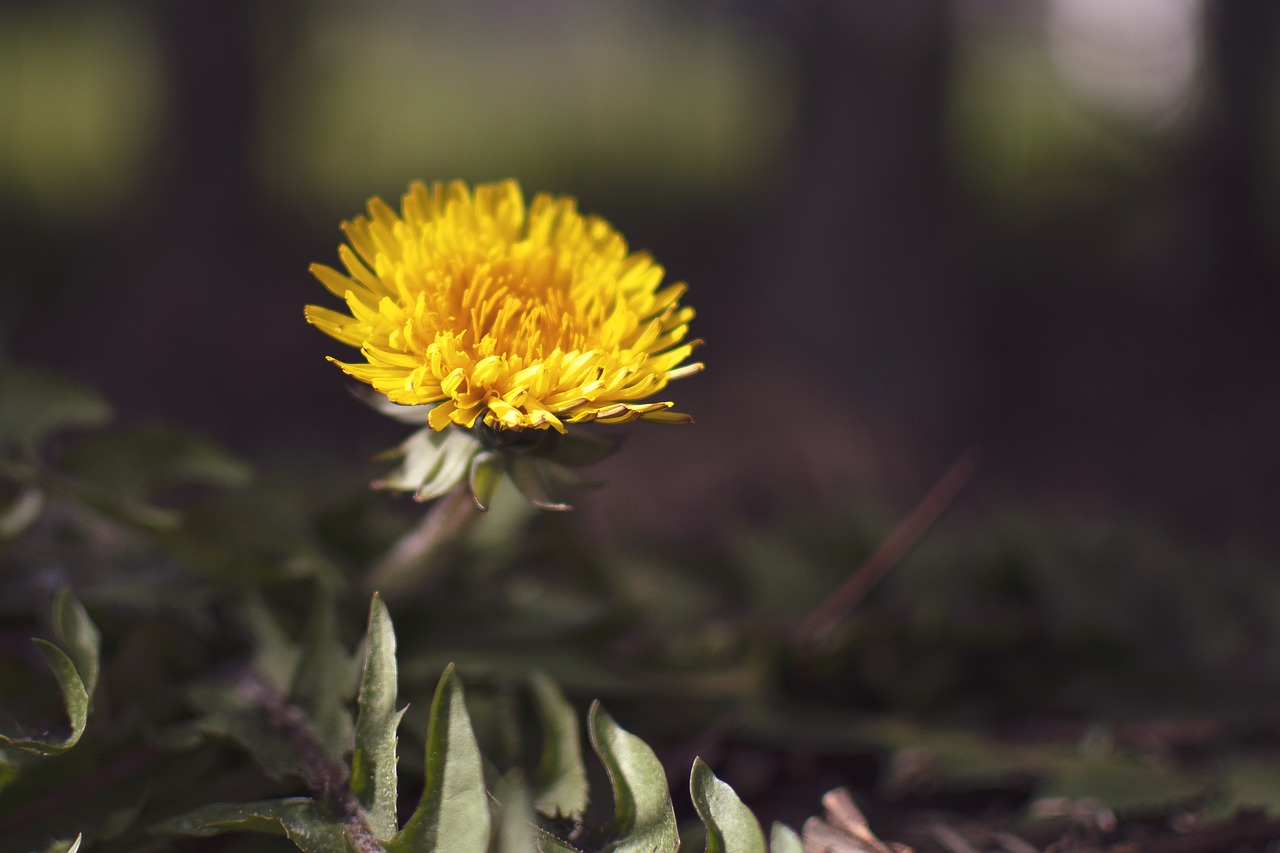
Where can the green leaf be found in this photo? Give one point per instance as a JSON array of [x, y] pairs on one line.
[[731, 827], [373, 764], [300, 819], [77, 633], [140, 463], [275, 654], [323, 683], [545, 842], [453, 814], [72, 846], [560, 782], [515, 820], [1245, 784], [76, 673], [230, 714], [487, 468], [784, 840], [643, 818], [35, 404], [22, 513], [74, 698]]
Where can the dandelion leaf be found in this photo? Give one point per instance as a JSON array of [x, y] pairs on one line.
[[731, 827], [560, 782], [453, 814], [373, 764], [643, 818], [300, 819]]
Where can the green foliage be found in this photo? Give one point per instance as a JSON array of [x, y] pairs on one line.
[[76, 669], [643, 818], [38, 404], [228, 617], [373, 763], [560, 782], [456, 812], [730, 825], [304, 821], [453, 813]]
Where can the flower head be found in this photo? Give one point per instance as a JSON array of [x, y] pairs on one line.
[[512, 316]]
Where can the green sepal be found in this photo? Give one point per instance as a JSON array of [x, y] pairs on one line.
[[560, 782], [433, 462], [527, 478], [644, 820], [731, 827], [577, 449], [487, 469], [302, 820], [373, 763], [453, 814]]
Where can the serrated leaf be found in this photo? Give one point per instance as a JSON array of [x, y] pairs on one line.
[[35, 404], [79, 637], [560, 782], [487, 468], [373, 764], [731, 827], [301, 820], [453, 814], [545, 842], [76, 673], [784, 840], [323, 685], [514, 832], [643, 818]]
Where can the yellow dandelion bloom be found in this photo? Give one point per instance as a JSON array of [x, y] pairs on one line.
[[518, 317]]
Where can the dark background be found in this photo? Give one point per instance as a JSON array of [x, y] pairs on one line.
[[1045, 229]]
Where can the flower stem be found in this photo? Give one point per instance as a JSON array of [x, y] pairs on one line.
[[415, 559], [822, 621]]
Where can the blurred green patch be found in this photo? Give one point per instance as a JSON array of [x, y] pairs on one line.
[[81, 93], [1017, 136], [670, 103]]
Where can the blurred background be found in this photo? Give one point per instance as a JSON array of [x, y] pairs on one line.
[[1042, 229]]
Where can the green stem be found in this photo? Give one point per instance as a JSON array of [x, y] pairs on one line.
[[415, 559]]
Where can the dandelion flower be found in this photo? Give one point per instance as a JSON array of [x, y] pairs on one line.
[[516, 317]]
